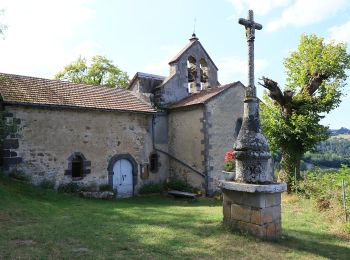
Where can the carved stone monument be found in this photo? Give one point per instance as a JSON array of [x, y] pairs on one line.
[[252, 201]]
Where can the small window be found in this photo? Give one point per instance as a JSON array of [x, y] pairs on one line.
[[153, 159], [77, 167]]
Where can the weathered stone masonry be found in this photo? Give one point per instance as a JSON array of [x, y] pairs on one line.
[[47, 140], [186, 144], [10, 156], [223, 119], [255, 213], [201, 134]]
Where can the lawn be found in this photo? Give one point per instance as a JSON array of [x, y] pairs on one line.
[[40, 224]]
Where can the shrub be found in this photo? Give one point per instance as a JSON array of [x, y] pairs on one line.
[[325, 187], [105, 187], [318, 182], [71, 187], [90, 187], [179, 184], [47, 184], [150, 188], [347, 227], [18, 175]]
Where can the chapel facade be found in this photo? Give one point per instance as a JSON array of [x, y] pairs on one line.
[[176, 126]]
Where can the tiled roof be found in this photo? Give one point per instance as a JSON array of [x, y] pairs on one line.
[[23, 90], [147, 76], [202, 97]]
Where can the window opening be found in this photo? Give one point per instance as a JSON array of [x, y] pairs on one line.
[[153, 162], [204, 73], [191, 74], [77, 167]]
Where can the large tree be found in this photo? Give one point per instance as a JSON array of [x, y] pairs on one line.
[[316, 75], [101, 72]]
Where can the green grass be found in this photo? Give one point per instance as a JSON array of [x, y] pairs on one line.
[[40, 224]]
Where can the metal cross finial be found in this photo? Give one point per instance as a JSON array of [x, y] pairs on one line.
[[250, 27]]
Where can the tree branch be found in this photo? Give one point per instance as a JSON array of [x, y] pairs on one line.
[[274, 90], [314, 83], [283, 99]]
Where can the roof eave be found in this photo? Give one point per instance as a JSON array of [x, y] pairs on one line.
[[185, 107], [230, 85], [29, 104]]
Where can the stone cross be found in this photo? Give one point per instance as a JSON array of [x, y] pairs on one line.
[[251, 148], [250, 27]]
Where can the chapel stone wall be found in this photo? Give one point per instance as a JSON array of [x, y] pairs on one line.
[[46, 138], [223, 116], [186, 143]]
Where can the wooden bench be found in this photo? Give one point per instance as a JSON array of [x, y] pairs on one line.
[[182, 194]]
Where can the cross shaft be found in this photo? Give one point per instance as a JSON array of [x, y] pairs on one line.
[[250, 26]]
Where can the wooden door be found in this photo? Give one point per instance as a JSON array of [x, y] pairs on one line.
[[122, 178]]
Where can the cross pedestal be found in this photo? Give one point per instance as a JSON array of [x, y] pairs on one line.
[[253, 209]]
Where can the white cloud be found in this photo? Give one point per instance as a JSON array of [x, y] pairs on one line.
[[306, 12], [37, 35], [233, 69], [260, 7], [340, 33]]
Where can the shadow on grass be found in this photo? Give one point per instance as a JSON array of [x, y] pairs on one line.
[[321, 244], [63, 226]]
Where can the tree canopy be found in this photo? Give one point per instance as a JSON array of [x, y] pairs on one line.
[[101, 71], [316, 76]]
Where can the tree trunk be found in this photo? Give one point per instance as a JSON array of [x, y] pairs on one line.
[[290, 164]]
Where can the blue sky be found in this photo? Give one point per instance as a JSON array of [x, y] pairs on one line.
[[143, 35]]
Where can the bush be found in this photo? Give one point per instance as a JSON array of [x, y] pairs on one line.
[[327, 183], [105, 187], [47, 184], [90, 187], [347, 227], [18, 175], [71, 187], [178, 184], [325, 187], [150, 188]]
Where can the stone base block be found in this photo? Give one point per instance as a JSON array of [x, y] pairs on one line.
[[254, 212]]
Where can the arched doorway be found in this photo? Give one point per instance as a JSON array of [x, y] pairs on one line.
[[123, 178], [119, 165]]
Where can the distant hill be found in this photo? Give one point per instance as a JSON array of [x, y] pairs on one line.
[[341, 131], [331, 153]]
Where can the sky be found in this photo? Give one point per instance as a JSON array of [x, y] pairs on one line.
[[143, 35]]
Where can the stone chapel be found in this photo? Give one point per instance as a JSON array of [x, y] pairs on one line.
[[176, 126]]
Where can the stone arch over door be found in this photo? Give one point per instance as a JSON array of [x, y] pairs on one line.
[[118, 157]]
